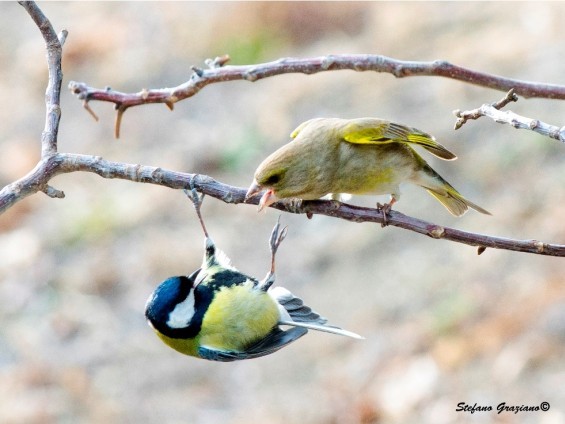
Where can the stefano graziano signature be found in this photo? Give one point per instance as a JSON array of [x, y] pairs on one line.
[[501, 408]]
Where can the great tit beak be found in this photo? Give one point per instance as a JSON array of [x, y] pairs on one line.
[[267, 199]]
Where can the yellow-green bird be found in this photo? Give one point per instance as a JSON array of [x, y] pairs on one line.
[[354, 156], [220, 314]]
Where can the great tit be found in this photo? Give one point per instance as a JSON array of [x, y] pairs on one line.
[[220, 314]]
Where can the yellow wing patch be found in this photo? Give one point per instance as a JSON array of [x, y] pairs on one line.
[[385, 133], [366, 136]]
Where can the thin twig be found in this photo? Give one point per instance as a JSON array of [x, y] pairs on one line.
[[476, 113], [356, 62], [508, 117]]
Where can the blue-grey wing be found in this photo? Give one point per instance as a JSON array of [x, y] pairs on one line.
[[218, 355], [294, 312], [276, 340], [295, 307]]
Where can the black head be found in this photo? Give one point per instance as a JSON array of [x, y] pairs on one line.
[[175, 308]]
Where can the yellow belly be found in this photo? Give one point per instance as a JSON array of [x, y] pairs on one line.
[[238, 317]]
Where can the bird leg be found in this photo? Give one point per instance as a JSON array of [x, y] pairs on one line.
[[277, 236], [385, 209], [196, 199]]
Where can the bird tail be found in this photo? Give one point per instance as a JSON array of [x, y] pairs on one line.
[[455, 203], [447, 195], [295, 313], [325, 328]]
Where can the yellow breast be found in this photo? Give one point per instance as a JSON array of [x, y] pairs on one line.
[[238, 317], [186, 346]]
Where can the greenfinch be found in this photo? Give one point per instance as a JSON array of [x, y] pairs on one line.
[[366, 156]]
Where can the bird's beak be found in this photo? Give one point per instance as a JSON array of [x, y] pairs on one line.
[[253, 189], [266, 200]]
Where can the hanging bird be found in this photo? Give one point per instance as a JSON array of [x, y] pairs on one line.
[[221, 314], [356, 156]]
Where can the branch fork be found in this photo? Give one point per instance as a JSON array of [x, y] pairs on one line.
[[508, 117]]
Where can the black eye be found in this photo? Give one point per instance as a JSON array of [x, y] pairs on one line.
[[273, 179]]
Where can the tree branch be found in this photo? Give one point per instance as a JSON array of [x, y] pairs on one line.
[[360, 62], [53, 163], [66, 162], [493, 111], [54, 47]]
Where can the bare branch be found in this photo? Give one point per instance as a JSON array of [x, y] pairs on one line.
[[476, 114], [360, 62], [66, 163], [53, 163], [53, 44], [508, 117]]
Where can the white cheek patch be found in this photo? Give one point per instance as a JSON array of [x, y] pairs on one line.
[[181, 316]]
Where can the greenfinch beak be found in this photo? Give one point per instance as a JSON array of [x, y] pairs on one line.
[[253, 189], [267, 199]]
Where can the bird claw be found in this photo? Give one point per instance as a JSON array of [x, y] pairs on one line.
[[193, 195], [277, 236], [293, 204], [196, 199], [385, 209]]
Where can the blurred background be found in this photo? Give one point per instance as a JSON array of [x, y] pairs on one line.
[[442, 325]]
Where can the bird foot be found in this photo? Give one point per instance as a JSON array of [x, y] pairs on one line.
[[196, 199], [293, 204], [277, 236], [193, 195], [385, 209]]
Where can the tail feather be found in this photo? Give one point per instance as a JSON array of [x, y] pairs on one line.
[[295, 313], [455, 203], [446, 194], [325, 328]]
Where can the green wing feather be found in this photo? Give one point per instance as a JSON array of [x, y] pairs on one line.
[[376, 131]]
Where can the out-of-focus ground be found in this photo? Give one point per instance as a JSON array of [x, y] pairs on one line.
[[442, 325]]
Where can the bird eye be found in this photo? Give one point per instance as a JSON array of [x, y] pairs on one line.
[[273, 179]]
